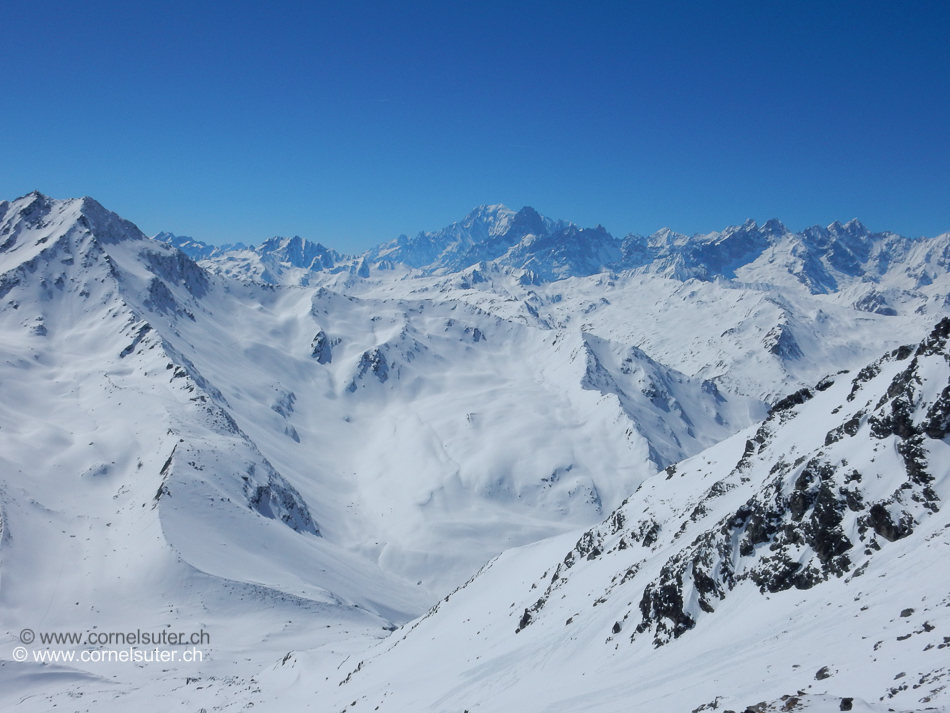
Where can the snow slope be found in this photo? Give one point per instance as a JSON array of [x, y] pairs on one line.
[[795, 566], [129, 497]]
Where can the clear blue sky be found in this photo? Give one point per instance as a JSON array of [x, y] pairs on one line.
[[352, 122]]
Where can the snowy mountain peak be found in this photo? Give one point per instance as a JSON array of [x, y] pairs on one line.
[[494, 218], [843, 258], [852, 227], [277, 260], [35, 223], [298, 252], [196, 249], [528, 221], [774, 227], [483, 235], [108, 227]]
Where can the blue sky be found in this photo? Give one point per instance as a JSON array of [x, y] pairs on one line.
[[350, 123]]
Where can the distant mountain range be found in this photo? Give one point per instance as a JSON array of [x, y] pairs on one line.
[[880, 272]]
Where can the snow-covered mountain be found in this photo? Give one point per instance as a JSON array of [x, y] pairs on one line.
[[195, 249], [129, 495], [321, 446], [883, 273], [874, 272], [484, 234], [275, 261]]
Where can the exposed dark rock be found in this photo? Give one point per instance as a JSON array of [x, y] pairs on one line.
[[375, 361], [179, 269], [849, 428], [755, 444], [140, 334], [781, 342], [277, 499], [937, 421], [321, 348], [853, 498], [880, 521], [161, 299], [284, 405], [792, 531], [936, 342], [792, 400], [662, 606], [863, 377], [529, 612], [875, 303], [525, 620], [911, 451], [588, 546]]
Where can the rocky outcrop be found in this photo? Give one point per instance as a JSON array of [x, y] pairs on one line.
[[792, 512]]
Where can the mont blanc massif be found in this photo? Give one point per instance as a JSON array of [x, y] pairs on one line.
[[512, 465]]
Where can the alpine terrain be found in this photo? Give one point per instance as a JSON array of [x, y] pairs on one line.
[[512, 464]]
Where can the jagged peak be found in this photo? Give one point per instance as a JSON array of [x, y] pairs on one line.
[[527, 221], [282, 241], [36, 198], [664, 234], [298, 251], [54, 217], [774, 226], [853, 228], [749, 226], [106, 226]]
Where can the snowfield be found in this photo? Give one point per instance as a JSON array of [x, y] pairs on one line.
[[510, 465]]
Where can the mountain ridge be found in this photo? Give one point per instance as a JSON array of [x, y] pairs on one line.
[[879, 270]]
